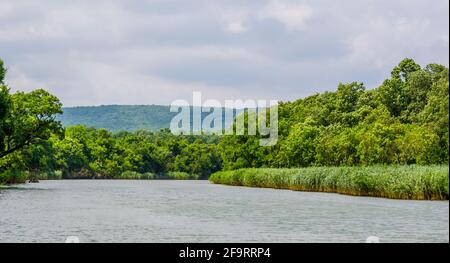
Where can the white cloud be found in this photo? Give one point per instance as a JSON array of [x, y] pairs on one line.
[[5, 8], [22, 82], [234, 18], [236, 27], [385, 42], [292, 15], [117, 51]]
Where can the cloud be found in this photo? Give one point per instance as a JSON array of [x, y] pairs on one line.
[[292, 15], [236, 27], [144, 52], [21, 81], [5, 8]]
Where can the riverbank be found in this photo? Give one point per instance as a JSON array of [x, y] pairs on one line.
[[395, 182], [18, 177]]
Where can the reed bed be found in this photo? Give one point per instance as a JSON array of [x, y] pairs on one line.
[[396, 182], [179, 176], [131, 175]]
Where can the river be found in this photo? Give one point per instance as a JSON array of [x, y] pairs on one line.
[[197, 211]]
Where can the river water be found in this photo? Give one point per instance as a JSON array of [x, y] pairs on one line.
[[197, 211]]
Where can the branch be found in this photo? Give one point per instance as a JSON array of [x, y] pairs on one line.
[[26, 142]]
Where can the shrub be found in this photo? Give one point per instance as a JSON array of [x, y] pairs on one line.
[[13, 177]]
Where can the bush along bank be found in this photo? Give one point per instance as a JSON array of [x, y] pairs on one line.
[[396, 182]]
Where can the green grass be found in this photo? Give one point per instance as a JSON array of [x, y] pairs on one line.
[[180, 176], [397, 182], [18, 177], [130, 175]]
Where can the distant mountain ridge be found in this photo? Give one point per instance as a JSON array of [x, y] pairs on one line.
[[121, 117]]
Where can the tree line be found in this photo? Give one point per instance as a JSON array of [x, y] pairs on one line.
[[403, 121]]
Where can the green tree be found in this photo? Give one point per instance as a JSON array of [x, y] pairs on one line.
[[137, 153], [418, 145], [5, 108], [31, 119], [198, 159], [377, 143], [299, 148], [2, 72], [395, 92], [39, 158], [336, 146], [404, 69], [70, 156], [435, 115], [5, 102]]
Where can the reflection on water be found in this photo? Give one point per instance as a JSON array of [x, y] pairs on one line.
[[197, 211]]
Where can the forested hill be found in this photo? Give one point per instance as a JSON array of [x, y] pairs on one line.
[[120, 117]]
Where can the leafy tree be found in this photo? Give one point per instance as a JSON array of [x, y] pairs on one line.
[[70, 156], [299, 148], [435, 115], [2, 72], [39, 158], [377, 144], [5, 101], [397, 94], [27, 118], [405, 120], [336, 146], [198, 159], [404, 69], [138, 153], [418, 145], [5, 108], [418, 86]]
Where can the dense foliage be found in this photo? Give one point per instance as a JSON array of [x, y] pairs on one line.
[[27, 121], [89, 152], [96, 153], [402, 122]]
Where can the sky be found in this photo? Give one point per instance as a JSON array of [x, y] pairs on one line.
[[157, 51]]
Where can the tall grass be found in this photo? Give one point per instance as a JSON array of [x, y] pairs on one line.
[[397, 182], [131, 175], [17, 176], [179, 176]]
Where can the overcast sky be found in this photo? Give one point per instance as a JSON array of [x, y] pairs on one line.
[[154, 52]]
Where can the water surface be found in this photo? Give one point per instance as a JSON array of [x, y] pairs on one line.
[[197, 211]]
